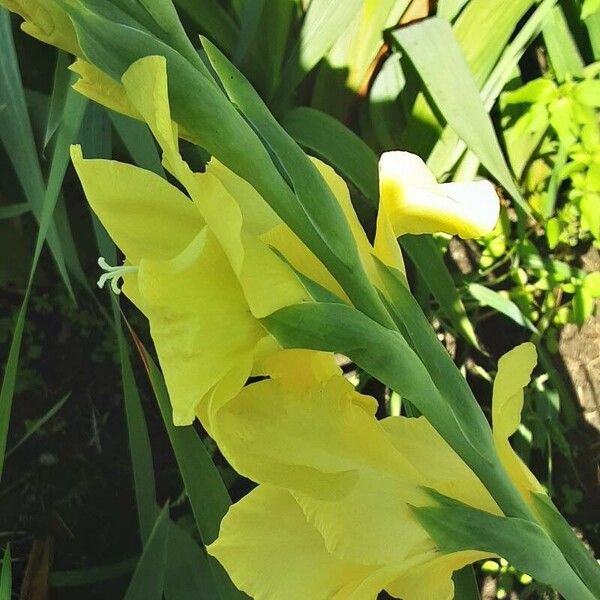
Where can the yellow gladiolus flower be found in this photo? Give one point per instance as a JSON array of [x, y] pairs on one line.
[[202, 271], [49, 23], [96, 85], [203, 314], [332, 517], [412, 201], [46, 22]]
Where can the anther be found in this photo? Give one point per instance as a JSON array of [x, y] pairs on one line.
[[113, 274]]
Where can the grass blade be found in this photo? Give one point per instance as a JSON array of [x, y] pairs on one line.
[[58, 97], [205, 489], [562, 49], [214, 20], [427, 257], [10, 376], [6, 575], [92, 575], [148, 579], [16, 135], [14, 210], [39, 423], [339, 146], [488, 297], [437, 57], [76, 105], [324, 22]]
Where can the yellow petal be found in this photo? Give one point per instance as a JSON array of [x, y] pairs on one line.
[[47, 22], [276, 434], [222, 392], [283, 239], [257, 215], [145, 83], [99, 87], [298, 368], [268, 283], [323, 445], [514, 373], [271, 552], [146, 86], [342, 194], [199, 321], [427, 451], [431, 577], [145, 215], [387, 249], [413, 202]]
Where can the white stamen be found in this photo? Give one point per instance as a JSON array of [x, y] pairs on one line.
[[113, 274]]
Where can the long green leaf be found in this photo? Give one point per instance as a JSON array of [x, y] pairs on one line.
[[214, 21], [562, 49], [449, 147], [386, 111], [581, 560], [206, 492], [263, 42], [456, 527], [76, 106], [92, 575], [17, 137], [449, 9], [437, 57], [253, 10], [328, 138], [465, 584], [427, 257], [10, 376], [347, 65], [58, 97], [483, 30], [139, 441], [325, 20], [488, 297], [148, 578], [6, 575], [14, 210], [39, 423]]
